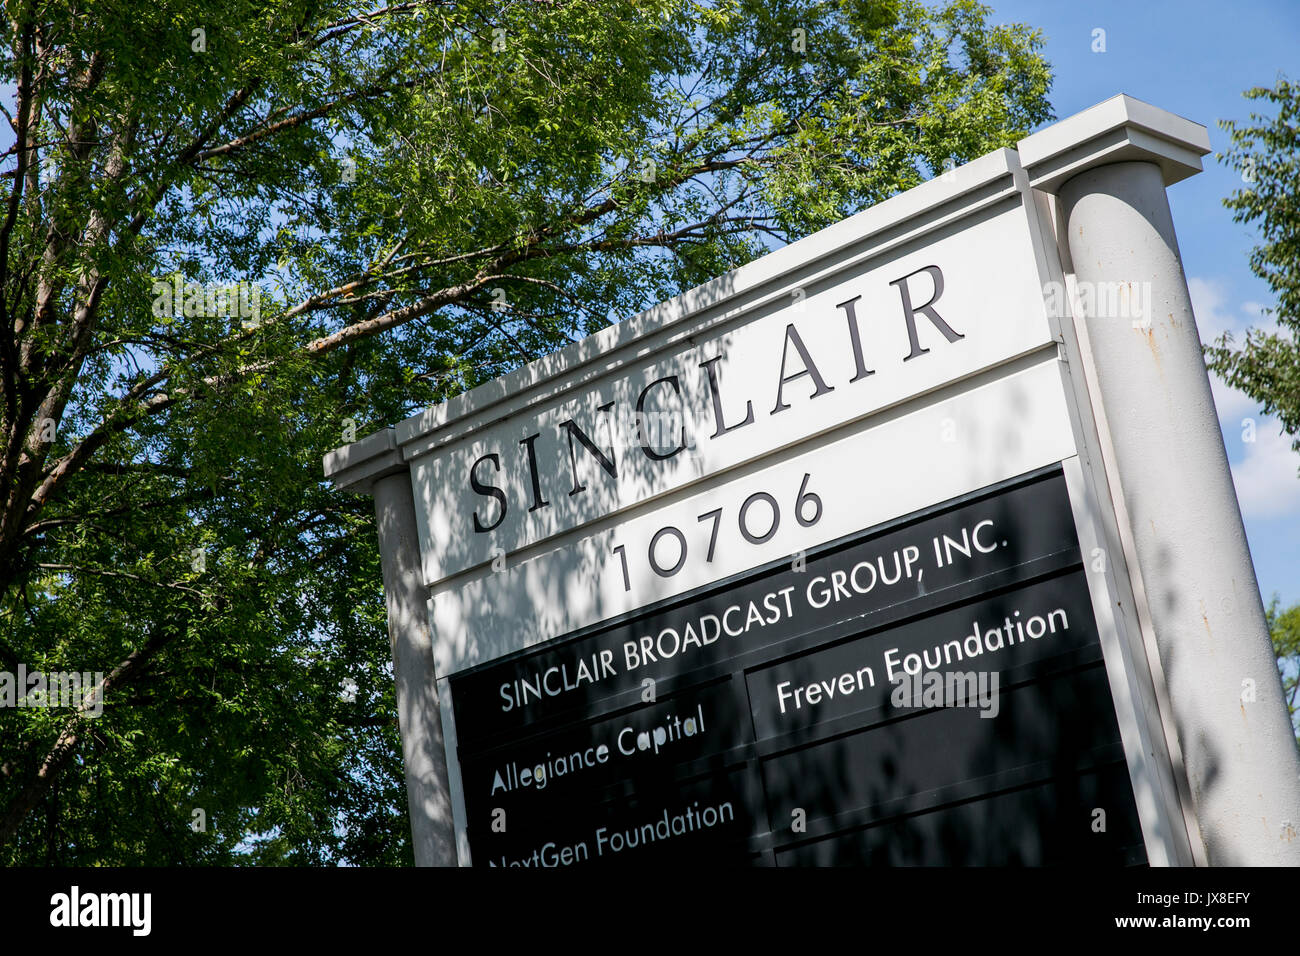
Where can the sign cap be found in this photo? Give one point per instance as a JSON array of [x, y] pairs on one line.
[[1119, 130]]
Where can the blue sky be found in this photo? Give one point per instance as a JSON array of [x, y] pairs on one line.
[[1195, 59]]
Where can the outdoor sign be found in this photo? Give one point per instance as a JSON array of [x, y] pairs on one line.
[[830, 560], [942, 673]]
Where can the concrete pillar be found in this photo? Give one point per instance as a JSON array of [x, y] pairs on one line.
[[1205, 609], [374, 466], [420, 720]]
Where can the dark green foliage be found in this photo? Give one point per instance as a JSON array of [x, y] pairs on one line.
[[1284, 626], [379, 177], [1266, 151]]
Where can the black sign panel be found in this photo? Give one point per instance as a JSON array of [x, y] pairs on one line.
[[931, 691]]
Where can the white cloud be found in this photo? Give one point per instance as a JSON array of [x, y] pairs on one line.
[[1267, 479], [1233, 404], [1213, 318], [1266, 476]]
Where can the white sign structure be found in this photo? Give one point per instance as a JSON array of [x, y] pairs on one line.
[[1026, 313]]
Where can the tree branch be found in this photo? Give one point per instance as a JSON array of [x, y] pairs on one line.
[[57, 757]]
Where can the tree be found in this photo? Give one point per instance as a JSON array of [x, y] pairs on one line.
[[1284, 626], [1266, 151], [239, 233], [1267, 365]]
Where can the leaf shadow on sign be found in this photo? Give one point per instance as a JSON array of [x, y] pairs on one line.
[[948, 787], [1043, 782], [556, 476], [1016, 820], [1196, 747]]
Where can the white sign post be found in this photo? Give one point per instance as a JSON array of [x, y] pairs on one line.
[[1025, 315]]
